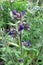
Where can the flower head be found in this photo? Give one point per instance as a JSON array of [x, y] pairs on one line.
[[14, 12], [20, 60], [26, 26], [23, 12], [21, 27], [11, 33], [28, 43]]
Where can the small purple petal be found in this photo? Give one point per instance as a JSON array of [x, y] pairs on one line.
[[23, 12], [21, 27], [28, 43], [26, 27], [20, 60], [11, 32], [14, 12]]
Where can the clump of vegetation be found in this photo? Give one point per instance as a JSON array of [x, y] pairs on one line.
[[21, 32]]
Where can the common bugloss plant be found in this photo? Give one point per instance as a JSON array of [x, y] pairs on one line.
[[23, 28]]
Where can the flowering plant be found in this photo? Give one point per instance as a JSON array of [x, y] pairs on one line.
[[21, 33]]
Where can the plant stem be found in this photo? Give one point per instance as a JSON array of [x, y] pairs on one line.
[[10, 4], [21, 42], [21, 36]]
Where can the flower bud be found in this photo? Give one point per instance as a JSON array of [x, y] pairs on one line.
[[21, 27], [23, 12], [20, 60], [14, 12]]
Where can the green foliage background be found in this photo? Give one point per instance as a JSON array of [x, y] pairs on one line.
[[34, 18]]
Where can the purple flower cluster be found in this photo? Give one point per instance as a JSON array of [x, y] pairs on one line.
[[23, 12], [20, 60], [26, 44], [26, 26], [11, 32], [21, 27], [16, 13]]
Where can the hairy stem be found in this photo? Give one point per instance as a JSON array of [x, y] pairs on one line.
[[21, 36]]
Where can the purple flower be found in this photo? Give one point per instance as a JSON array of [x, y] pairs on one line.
[[21, 27], [20, 60], [13, 33], [14, 12], [26, 26], [23, 12], [28, 43], [10, 33]]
